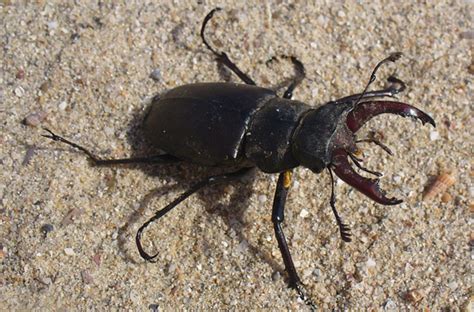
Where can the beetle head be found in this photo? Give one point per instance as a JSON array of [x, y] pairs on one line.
[[326, 139], [320, 132]]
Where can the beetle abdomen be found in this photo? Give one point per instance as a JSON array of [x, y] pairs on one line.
[[268, 139], [204, 122]]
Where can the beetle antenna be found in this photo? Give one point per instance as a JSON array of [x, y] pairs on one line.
[[391, 58], [343, 228]]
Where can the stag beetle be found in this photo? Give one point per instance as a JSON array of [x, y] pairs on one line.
[[244, 126]]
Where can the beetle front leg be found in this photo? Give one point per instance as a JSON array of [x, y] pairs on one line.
[[278, 215], [300, 74]]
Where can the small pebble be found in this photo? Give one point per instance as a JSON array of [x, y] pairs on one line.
[[20, 74], [154, 307], [30, 152], [69, 251], [52, 25], [413, 296], [35, 118], [446, 198], [390, 305], [109, 131], [469, 35], [70, 216], [276, 276], [434, 135], [62, 105], [46, 228], [397, 179], [262, 198], [96, 259], [371, 263], [304, 213], [87, 277], [45, 86], [19, 91], [46, 280], [156, 75]]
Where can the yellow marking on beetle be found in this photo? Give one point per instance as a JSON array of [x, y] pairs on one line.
[[287, 179], [358, 153]]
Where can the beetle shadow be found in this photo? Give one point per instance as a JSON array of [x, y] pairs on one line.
[[232, 211]]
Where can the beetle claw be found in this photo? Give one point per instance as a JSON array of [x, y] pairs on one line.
[[142, 252], [368, 187], [367, 110]]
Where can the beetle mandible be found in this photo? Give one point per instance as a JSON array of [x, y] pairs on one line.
[[244, 126]]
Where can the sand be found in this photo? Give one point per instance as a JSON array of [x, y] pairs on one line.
[[88, 72]]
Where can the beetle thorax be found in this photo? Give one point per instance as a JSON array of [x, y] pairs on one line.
[[321, 131]]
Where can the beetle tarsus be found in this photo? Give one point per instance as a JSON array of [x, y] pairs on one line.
[[344, 229], [94, 159], [300, 73], [302, 293], [222, 56], [203, 27]]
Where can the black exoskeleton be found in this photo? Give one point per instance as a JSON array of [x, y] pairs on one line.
[[244, 126]]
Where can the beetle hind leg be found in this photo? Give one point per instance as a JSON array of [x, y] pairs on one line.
[[222, 56], [97, 161], [195, 188]]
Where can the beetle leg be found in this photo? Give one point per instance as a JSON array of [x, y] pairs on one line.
[[344, 229], [300, 74], [97, 161], [196, 187], [222, 56], [278, 215]]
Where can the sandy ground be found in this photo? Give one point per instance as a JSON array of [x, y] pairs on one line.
[[67, 233]]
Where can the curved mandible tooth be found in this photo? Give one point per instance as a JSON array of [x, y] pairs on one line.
[[368, 187], [367, 110]]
